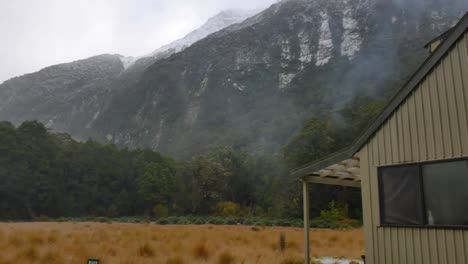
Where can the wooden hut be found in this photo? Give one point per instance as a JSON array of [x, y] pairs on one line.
[[412, 164]]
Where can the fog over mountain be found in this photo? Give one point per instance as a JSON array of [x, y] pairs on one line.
[[36, 34], [250, 84]]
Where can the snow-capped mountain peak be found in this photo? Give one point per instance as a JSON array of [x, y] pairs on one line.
[[216, 23]]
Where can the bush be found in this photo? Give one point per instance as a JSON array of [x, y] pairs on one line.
[[230, 221], [336, 217], [103, 220], [160, 211], [162, 221], [228, 209]]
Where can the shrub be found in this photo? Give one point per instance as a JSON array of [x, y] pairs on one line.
[[230, 221], [199, 221], [160, 211], [228, 209], [335, 217], [103, 220]]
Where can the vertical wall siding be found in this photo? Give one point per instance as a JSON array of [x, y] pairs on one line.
[[431, 124]]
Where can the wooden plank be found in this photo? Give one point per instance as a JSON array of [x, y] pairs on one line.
[[329, 181]]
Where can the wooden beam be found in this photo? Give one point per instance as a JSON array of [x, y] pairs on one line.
[[322, 180], [306, 221]]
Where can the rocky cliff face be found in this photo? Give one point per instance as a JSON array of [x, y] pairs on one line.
[[252, 83]]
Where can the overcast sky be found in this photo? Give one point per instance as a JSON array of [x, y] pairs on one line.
[[39, 33]]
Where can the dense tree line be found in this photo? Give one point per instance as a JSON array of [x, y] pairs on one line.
[[50, 174], [47, 174]]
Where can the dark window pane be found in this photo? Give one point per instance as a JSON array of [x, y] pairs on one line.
[[446, 192], [400, 193]]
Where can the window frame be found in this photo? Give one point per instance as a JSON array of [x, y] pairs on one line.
[[423, 206]]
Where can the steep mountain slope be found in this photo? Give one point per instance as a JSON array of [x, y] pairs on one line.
[[251, 84], [70, 97], [66, 97], [214, 24]]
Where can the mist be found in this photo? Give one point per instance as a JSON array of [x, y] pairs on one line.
[[37, 34]]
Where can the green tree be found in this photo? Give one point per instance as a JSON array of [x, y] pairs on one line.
[[312, 142], [157, 185]]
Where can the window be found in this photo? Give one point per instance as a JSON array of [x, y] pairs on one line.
[[425, 194], [401, 195]]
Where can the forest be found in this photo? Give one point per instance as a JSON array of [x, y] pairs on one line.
[[44, 174]]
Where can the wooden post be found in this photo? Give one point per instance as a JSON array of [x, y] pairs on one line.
[[306, 221]]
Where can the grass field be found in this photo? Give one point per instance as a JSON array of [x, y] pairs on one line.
[[28, 243]]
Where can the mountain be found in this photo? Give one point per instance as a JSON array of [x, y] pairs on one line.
[[70, 97], [214, 24], [67, 97], [251, 84]]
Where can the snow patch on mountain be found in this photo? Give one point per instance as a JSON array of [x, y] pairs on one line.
[[285, 53], [285, 79], [95, 116], [325, 45], [352, 41], [214, 24], [304, 45]]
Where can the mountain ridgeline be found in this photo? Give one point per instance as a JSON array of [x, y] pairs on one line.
[[251, 84]]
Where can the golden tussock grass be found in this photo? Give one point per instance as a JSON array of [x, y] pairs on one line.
[[58, 243]]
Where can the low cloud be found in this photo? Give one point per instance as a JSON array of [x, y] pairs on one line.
[[35, 34]]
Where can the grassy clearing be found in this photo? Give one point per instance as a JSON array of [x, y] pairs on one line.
[[120, 243]]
